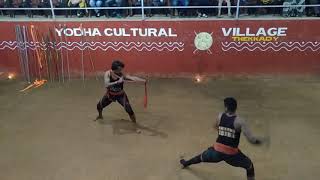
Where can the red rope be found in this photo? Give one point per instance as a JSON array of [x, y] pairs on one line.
[[145, 100]]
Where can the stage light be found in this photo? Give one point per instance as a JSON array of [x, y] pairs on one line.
[[198, 78], [10, 76]]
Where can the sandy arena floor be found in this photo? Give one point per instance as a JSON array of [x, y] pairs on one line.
[[49, 133]]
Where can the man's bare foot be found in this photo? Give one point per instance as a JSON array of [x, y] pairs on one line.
[[183, 163], [133, 119], [98, 117], [138, 131]]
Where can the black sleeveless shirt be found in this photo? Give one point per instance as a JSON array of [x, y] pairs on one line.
[[227, 132], [116, 88]]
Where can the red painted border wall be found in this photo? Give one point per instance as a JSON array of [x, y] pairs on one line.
[[296, 53]]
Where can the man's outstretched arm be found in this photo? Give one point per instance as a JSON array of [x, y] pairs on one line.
[[134, 78], [241, 124]]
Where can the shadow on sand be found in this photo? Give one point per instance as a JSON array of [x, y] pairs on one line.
[[200, 174], [123, 127]]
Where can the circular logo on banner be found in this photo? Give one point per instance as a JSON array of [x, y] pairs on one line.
[[203, 41]]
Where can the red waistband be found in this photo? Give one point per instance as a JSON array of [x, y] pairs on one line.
[[225, 149]]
